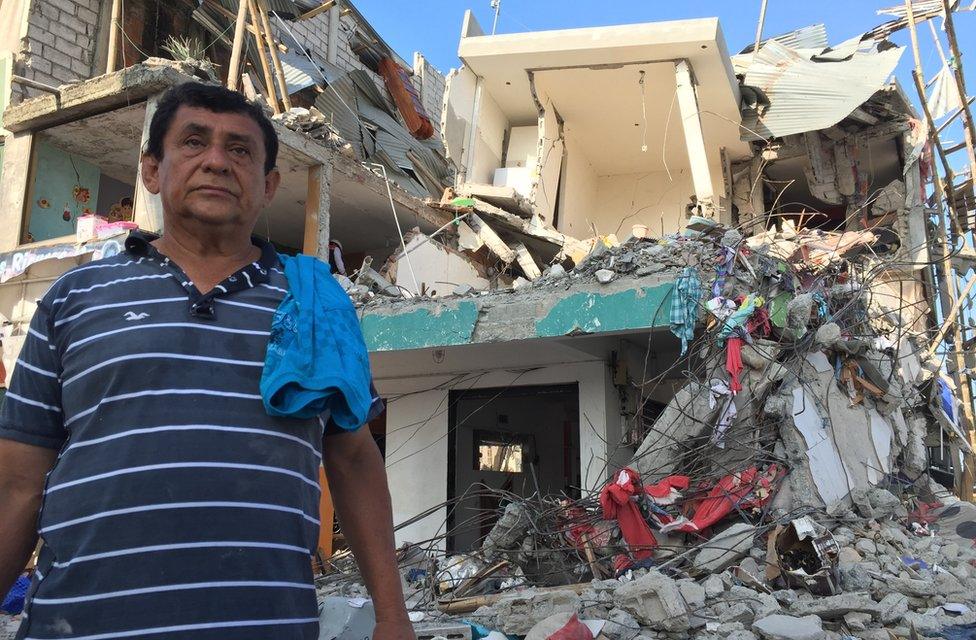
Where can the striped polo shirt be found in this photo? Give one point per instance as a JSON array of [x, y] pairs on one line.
[[177, 507]]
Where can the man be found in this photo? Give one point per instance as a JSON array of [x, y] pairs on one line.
[[175, 507]]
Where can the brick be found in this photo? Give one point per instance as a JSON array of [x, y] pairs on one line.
[[40, 65], [74, 23], [57, 58], [69, 48], [49, 11], [87, 15], [82, 68], [63, 75], [42, 36], [84, 41], [36, 21]]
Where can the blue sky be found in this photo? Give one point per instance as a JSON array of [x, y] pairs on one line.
[[433, 26]]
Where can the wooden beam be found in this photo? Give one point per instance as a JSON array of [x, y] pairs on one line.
[[263, 57], [322, 8], [234, 68], [275, 60]]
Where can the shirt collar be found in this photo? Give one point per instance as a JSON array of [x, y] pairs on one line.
[[139, 244]]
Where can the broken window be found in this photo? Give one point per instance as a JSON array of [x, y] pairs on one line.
[[499, 452]]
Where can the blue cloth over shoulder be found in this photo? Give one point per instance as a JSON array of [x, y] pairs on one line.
[[316, 362]]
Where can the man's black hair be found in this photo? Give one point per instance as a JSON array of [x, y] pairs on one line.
[[213, 98]]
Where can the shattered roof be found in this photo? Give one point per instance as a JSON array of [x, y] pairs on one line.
[[808, 94]]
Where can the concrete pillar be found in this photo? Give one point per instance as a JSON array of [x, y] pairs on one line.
[[14, 187], [317, 203], [694, 139], [147, 208]]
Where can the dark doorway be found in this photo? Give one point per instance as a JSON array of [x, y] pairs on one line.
[[519, 440]]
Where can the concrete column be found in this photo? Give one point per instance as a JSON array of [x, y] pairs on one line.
[[317, 203], [147, 208], [332, 46], [14, 187], [694, 139]]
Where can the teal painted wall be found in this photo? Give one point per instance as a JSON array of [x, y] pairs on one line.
[[600, 313], [421, 328], [55, 178]]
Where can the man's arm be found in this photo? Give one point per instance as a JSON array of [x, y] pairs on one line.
[[357, 480], [22, 471]]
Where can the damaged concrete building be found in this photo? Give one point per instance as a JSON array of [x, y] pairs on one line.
[[592, 265], [567, 361]]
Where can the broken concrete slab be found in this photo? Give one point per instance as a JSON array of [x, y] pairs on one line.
[[518, 613], [780, 627], [656, 601], [833, 607], [725, 548]]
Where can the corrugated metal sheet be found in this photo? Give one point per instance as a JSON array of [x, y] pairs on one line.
[[812, 37], [300, 72], [338, 104], [805, 95]]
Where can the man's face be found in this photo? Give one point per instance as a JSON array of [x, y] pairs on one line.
[[212, 169]]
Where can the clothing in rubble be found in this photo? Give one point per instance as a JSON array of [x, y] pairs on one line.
[[684, 306]]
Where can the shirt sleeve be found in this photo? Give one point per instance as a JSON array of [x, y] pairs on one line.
[[31, 411], [376, 408]]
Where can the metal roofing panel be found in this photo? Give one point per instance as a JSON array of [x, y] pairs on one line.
[[339, 105], [300, 72], [811, 37], [808, 96]]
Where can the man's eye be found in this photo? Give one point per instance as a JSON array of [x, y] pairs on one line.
[[241, 151], [194, 143]]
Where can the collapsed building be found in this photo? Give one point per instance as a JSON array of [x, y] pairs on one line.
[[641, 310]]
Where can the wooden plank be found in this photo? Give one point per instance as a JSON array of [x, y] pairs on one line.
[[322, 8], [263, 57], [115, 27], [234, 68], [275, 60]]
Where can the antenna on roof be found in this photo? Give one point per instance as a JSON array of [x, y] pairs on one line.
[[497, 6]]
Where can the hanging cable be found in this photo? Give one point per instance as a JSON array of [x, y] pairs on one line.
[[643, 112]]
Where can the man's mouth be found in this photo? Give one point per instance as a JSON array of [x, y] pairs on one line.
[[214, 190]]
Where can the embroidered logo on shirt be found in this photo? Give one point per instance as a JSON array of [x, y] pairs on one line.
[[131, 315]]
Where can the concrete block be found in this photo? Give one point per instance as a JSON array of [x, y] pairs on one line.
[[780, 627], [340, 620], [725, 548], [833, 607], [656, 602], [517, 614]]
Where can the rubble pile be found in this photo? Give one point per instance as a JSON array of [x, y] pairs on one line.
[[781, 493]]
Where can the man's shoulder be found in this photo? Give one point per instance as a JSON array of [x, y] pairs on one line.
[[97, 272]]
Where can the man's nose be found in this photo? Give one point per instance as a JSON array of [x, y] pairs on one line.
[[216, 159]]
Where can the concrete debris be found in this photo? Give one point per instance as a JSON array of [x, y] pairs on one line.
[[518, 613], [725, 548], [604, 276], [780, 627], [656, 601]]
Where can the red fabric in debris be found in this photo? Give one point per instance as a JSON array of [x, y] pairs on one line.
[[730, 492], [733, 363], [573, 630], [662, 489], [616, 502], [759, 323]]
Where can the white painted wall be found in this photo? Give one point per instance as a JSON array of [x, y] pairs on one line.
[[578, 190], [489, 141], [523, 146], [459, 113], [417, 430], [436, 268]]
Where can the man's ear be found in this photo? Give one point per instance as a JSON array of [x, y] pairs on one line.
[[272, 181], [150, 173]]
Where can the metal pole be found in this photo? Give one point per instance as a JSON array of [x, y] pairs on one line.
[[497, 6], [113, 36], [759, 27]]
